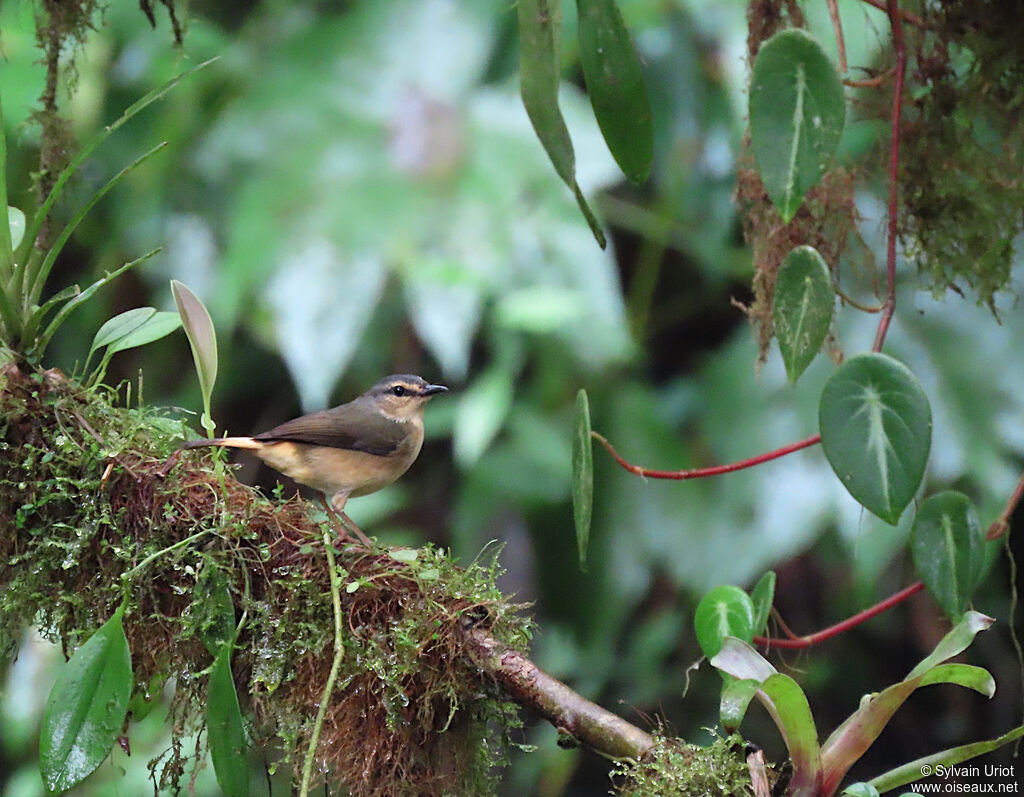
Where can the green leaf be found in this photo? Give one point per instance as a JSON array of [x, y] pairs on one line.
[[120, 325], [157, 326], [582, 475], [947, 543], [736, 697], [724, 611], [908, 773], [86, 708], [850, 740], [482, 410], [796, 116], [225, 731], [539, 25], [802, 308], [788, 705], [967, 675], [16, 224], [405, 555], [860, 790], [213, 610], [876, 430], [739, 659], [203, 340], [762, 596], [616, 87]]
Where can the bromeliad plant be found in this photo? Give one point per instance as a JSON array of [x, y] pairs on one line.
[[27, 321]]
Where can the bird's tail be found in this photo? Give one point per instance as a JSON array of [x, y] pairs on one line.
[[225, 442]]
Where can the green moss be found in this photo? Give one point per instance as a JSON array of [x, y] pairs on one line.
[[86, 494], [673, 768]]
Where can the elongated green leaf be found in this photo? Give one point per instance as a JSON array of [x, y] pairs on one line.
[[225, 730], [788, 705], [723, 612], [540, 22], [736, 697], [616, 87], [119, 326], [86, 708], [858, 732], [213, 611], [802, 308], [796, 116], [157, 326], [582, 475], [967, 675], [16, 225], [203, 339], [947, 544], [762, 596], [908, 773], [876, 430]]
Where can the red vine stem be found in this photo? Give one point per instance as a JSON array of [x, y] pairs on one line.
[[845, 625], [1002, 523], [894, 163], [715, 470], [909, 16]]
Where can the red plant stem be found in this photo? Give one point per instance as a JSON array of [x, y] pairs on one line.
[[837, 26], [909, 16], [1001, 524], [894, 163], [845, 625], [712, 471]]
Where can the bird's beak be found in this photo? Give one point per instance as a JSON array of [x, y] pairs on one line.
[[432, 390]]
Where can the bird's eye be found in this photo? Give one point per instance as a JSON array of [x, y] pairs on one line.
[[398, 390]]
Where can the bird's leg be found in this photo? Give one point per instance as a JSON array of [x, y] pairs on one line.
[[344, 524]]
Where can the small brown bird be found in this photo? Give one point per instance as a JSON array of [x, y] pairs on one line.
[[351, 450]]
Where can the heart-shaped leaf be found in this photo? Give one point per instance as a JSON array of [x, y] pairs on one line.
[[582, 475], [225, 730], [724, 611], [876, 430], [948, 548], [540, 22], [86, 707], [616, 87], [802, 308], [796, 116]]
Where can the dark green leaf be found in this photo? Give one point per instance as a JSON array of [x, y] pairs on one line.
[[157, 326], [762, 596], [724, 611], [796, 116], [736, 697], [225, 731], [539, 25], [120, 325], [616, 87], [948, 548], [876, 430], [802, 308], [212, 609], [582, 475], [86, 708]]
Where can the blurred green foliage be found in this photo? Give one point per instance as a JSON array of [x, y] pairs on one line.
[[355, 189]]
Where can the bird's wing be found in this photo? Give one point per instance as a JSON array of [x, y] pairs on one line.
[[336, 428]]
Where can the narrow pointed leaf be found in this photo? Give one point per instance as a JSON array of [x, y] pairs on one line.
[[762, 596], [736, 697], [876, 430], [954, 643], [582, 475], [796, 116], [201, 337], [16, 225], [788, 705], [86, 708], [540, 23], [225, 729], [948, 549], [158, 325], [120, 325], [725, 611], [967, 675], [615, 84], [802, 308], [908, 773]]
